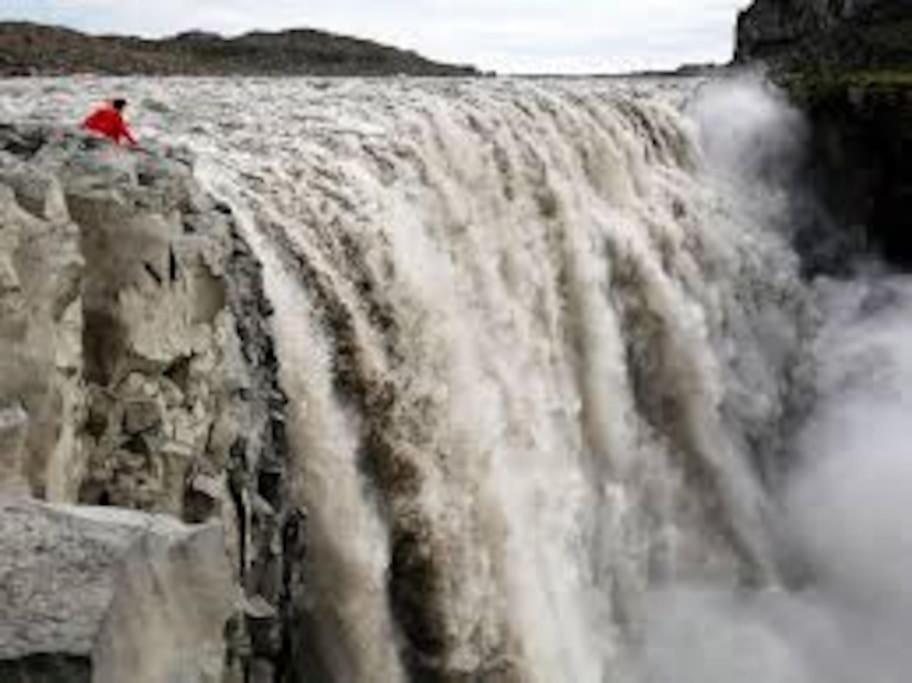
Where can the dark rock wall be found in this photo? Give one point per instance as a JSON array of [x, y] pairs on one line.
[[860, 164], [858, 33], [848, 63]]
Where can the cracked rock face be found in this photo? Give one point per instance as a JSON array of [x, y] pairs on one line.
[[137, 367], [41, 268]]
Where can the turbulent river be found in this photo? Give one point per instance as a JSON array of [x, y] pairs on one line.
[[562, 408]]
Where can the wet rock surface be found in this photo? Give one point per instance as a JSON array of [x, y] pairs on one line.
[[137, 369]]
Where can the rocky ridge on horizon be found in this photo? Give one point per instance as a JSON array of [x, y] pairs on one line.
[[28, 49]]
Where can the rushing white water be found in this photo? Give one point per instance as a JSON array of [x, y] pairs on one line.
[[538, 339], [844, 523]]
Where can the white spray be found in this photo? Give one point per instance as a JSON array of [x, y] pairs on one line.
[[841, 515]]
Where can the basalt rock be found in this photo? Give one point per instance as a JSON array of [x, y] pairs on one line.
[[860, 162], [137, 367], [827, 33], [848, 64]]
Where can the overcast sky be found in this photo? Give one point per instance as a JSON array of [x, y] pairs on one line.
[[567, 36]]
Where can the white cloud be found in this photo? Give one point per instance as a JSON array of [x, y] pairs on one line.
[[507, 35]]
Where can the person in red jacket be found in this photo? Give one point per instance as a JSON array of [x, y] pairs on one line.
[[107, 120]]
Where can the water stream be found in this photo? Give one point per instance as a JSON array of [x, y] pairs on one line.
[[541, 341]]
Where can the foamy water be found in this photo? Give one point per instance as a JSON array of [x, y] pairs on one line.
[[539, 338]]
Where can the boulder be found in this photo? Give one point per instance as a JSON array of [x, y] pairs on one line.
[[107, 596]]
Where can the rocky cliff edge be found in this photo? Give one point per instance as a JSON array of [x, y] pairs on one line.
[[871, 34], [848, 65], [137, 371]]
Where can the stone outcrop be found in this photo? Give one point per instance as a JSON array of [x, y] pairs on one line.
[[41, 268], [136, 362], [837, 33], [848, 64], [99, 595]]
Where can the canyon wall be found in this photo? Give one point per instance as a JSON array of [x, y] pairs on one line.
[[848, 64], [862, 33]]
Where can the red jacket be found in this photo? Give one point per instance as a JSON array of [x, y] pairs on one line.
[[107, 121]]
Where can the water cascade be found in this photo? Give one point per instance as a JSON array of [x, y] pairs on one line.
[[544, 343], [532, 345]]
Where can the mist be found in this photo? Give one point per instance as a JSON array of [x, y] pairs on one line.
[[841, 607]]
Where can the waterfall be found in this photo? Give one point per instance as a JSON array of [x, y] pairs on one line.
[[534, 345], [538, 340]]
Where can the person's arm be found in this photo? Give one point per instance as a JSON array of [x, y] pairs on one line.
[[123, 131], [129, 136]]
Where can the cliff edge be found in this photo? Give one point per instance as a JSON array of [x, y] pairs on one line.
[[137, 372], [848, 65], [838, 33]]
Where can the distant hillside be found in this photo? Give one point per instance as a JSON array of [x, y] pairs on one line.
[[33, 49]]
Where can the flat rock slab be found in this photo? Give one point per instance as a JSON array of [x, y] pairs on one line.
[[108, 596]]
